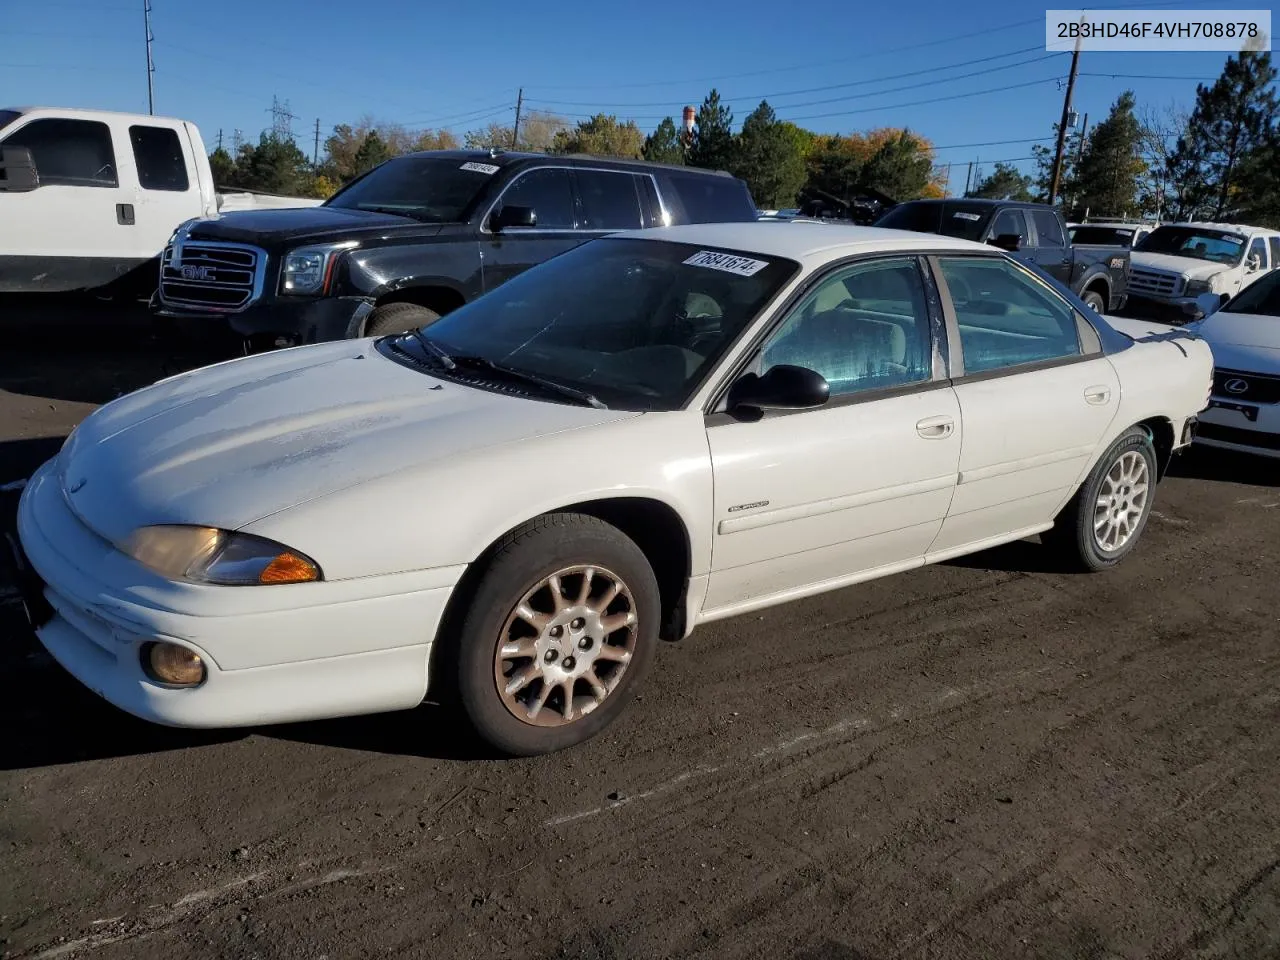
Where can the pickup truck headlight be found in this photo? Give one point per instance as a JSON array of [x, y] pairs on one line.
[[209, 555], [1197, 287], [306, 271]]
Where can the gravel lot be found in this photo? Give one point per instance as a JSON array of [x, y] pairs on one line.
[[981, 759]]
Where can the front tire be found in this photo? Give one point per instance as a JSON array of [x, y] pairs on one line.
[[398, 318], [559, 634], [1095, 302], [1102, 523]]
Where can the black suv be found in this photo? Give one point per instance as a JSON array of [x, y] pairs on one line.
[[417, 237]]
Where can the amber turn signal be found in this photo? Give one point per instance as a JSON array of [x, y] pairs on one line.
[[289, 568]]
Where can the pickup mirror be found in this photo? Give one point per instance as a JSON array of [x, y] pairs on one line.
[[1008, 241], [1255, 262], [511, 216], [17, 170], [1203, 306], [784, 387]]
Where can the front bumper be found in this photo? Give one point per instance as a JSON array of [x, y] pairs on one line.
[[274, 322], [1175, 312], [1229, 424], [273, 654]]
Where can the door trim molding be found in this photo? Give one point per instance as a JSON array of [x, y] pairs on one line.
[[1025, 463], [817, 508]]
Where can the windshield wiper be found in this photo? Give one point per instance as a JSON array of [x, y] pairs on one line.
[[433, 348]]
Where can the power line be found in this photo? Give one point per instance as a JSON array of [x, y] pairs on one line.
[[916, 103]]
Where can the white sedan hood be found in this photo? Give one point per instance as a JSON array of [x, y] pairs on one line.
[[238, 441], [1243, 341], [1188, 267]]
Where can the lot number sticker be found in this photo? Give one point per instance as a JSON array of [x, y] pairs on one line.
[[481, 167], [967, 216], [742, 266]]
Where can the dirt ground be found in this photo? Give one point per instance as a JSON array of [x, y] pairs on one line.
[[982, 759]]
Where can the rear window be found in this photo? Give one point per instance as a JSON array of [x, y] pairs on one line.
[[711, 199], [1102, 236], [157, 151], [962, 220]]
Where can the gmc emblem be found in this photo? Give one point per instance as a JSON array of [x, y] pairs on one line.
[[197, 273]]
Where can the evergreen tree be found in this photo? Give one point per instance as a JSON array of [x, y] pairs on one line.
[[601, 136], [770, 158], [1044, 164], [373, 151], [1106, 176], [1006, 182], [1231, 119], [714, 144], [222, 167], [901, 167], [663, 145]]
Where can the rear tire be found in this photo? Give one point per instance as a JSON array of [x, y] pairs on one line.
[[1103, 522], [567, 612], [398, 318], [1094, 301]]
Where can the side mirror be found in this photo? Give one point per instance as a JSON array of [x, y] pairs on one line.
[[17, 170], [1203, 306], [784, 387], [508, 217], [1008, 241], [1255, 263]]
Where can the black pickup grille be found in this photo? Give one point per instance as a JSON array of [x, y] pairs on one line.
[[1257, 388], [211, 276]]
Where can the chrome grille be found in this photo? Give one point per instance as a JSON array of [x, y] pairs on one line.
[[1248, 387], [218, 277], [1154, 284]]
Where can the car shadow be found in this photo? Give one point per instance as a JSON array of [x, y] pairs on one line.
[[1021, 556], [1226, 466]]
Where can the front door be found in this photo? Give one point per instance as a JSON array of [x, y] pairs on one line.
[[822, 496], [1036, 395], [512, 250]]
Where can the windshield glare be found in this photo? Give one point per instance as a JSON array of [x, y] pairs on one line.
[[431, 189], [1261, 296], [1215, 246], [638, 323]]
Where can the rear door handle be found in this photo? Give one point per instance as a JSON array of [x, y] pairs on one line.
[[935, 428], [1097, 395], [124, 214]]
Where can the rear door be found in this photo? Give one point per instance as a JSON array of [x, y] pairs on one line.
[[168, 186], [1051, 251], [1037, 396]]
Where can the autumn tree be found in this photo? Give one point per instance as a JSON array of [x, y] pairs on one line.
[[770, 158], [714, 144], [664, 144], [1006, 182], [538, 131], [601, 136]]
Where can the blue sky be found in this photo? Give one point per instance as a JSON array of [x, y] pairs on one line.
[[831, 65]]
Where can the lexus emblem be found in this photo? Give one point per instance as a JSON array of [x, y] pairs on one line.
[[1236, 385], [76, 486]]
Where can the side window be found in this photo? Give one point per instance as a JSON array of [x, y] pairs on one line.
[[864, 327], [1275, 252], [1006, 316], [708, 198], [1258, 249], [71, 153], [158, 154], [1048, 229], [609, 200], [1009, 221], [550, 194]]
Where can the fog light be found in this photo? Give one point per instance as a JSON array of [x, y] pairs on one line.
[[172, 664]]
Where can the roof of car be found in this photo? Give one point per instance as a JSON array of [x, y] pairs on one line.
[[1225, 227], [802, 240], [500, 157]]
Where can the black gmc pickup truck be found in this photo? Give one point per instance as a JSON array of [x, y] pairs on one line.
[[1033, 232], [417, 237]]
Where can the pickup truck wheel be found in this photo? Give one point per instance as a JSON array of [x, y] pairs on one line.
[[1103, 521], [558, 635], [1095, 302], [398, 318]]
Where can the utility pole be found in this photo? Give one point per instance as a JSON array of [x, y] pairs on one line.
[[1062, 126], [515, 131], [1084, 128], [315, 153], [946, 182], [968, 176], [151, 67], [219, 138]]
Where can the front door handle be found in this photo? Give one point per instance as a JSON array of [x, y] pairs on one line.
[[935, 428], [124, 214], [1097, 395]]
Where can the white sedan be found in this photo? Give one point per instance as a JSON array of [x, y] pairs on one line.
[[1244, 414], [655, 430]]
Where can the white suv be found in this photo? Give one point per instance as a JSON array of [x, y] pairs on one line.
[[1179, 262]]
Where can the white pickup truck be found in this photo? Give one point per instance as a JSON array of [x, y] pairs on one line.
[[89, 198], [1178, 262]]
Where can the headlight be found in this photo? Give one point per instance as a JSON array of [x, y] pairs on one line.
[[209, 555], [307, 270], [1197, 287]]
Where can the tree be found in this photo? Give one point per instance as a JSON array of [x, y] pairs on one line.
[[1106, 175], [1230, 120], [601, 136], [1006, 182], [1044, 164], [275, 165], [714, 144], [901, 167], [664, 145], [770, 158], [538, 131], [223, 168], [1259, 182], [372, 152], [1156, 189]]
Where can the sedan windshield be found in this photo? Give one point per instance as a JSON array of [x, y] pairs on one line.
[[431, 189], [1262, 297], [1197, 243], [629, 323]]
